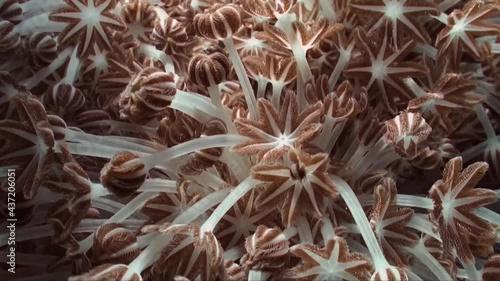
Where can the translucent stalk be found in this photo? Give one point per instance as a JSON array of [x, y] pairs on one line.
[[304, 230], [446, 5], [290, 232], [106, 204], [39, 23], [211, 182], [152, 252], [236, 194], [261, 87], [235, 164], [91, 225], [120, 127], [485, 122], [200, 108], [190, 147], [428, 260], [414, 87], [423, 226], [327, 10], [233, 254], [72, 70], [302, 64], [131, 207], [202, 206], [33, 8], [415, 223], [495, 48], [474, 151], [427, 50], [43, 73], [413, 276], [111, 141], [192, 104], [361, 220], [346, 152], [242, 77], [327, 230], [488, 215], [258, 275], [355, 246], [151, 51], [422, 270], [297, 49], [95, 150], [372, 159], [472, 273], [493, 102], [345, 55], [214, 92], [149, 255], [149, 185], [332, 128], [301, 97], [461, 273], [401, 200], [277, 90]]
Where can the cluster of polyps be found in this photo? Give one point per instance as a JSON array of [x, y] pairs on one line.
[[252, 139]]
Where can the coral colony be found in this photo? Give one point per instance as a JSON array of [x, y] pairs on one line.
[[250, 140]]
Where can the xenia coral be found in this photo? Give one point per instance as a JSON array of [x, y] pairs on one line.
[[251, 139]]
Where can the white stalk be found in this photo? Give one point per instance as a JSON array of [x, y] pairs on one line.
[[72, 70], [236, 194], [362, 222], [157, 242], [485, 122], [110, 141], [261, 87], [345, 55], [495, 48], [242, 77], [33, 8], [327, 230], [304, 230], [43, 73], [214, 92], [233, 254], [196, 106], [125, 212], [258, 275], [95, 150], [428, 260], [39, 23], [190, 147], [277, 90], [161, 56], [472, 273], [327, 10], [290, 232]]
